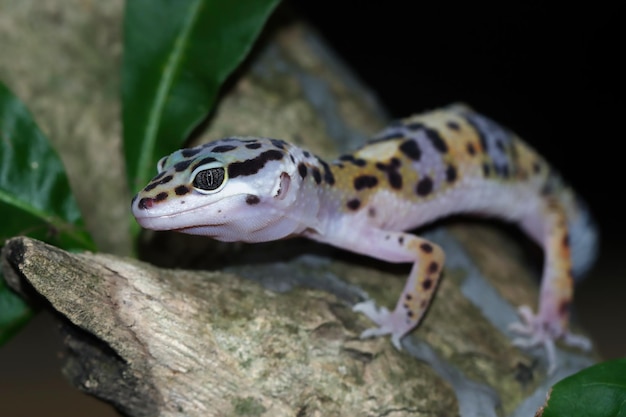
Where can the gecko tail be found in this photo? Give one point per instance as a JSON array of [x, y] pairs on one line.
[[584, 240]]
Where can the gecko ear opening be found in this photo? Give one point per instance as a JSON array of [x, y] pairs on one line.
[[283, 186]]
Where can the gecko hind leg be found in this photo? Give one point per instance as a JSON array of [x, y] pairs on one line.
[[551, 322]]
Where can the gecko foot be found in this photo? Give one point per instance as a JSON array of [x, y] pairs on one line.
[[387, 322], [536, 330]]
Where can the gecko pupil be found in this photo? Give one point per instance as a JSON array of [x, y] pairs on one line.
[[209, 179]]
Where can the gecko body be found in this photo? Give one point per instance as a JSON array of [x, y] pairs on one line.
[[428, 166]]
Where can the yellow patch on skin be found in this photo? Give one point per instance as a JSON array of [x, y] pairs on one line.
[[379, 151]]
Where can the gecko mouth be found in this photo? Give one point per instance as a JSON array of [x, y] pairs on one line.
[[180, 220]]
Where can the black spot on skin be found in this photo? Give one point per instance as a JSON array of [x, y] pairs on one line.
[[253, 145], [427, 284], [356, 161], [501, 170], [280, 144], [483, 141], [306, 154], [410, 313], [394, 178], [424, 186], [204, 161], [223, 148], [188, 153], [354, 204], [252, 166], [293, 160], [453, 125], [481, 136], [433, 267], [470, 149], [252, 199], [410, 149], [151, 186], [302, 169], [158, 177], [409, 297], [451, 173], [181, 190], [436, 140], [486, 169], [500, 146], [317, 176], [566, 240], [504, 171], [365, 181], [181, 166], [328, 175], [155, 184], [371, 212], [426, 247], [401, 240], [160, 196]]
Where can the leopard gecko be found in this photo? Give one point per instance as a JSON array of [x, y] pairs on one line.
[[422, 168]]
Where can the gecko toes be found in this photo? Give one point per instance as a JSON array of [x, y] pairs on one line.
[[537, 330], [371, 311], [577, 341], [389, 323]]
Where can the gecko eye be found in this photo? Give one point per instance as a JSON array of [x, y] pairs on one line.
[[209, 179]]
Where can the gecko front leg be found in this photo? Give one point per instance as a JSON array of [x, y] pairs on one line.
[[398, 247]]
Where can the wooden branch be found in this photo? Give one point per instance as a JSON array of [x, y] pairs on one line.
[[164, 342]]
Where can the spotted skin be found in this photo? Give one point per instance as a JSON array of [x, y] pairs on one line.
[[417, 170]]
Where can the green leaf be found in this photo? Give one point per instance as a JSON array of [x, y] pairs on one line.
[[35, 198], [599, 390], [34, 191], [177, 53], [14, 312]]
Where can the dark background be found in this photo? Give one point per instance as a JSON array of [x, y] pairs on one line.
[[553, 75]]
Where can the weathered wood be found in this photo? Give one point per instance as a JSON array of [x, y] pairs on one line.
[[169, 342]]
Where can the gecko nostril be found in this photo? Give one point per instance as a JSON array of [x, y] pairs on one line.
[[145, 203]]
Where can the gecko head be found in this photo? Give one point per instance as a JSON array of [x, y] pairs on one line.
[[234, 189]]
